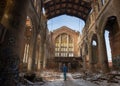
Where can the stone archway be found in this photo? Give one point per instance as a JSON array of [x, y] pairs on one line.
[[94, 53], [28, 45], [113, 28], [109, 24]]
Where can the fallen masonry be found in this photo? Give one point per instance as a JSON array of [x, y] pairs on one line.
[[77, 79]]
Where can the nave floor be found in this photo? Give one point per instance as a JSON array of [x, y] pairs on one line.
[[72, 82]]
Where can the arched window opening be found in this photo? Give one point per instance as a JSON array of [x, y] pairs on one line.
[[112, 41], [94, 43], [28, 34], [108, 46], [95, 52]]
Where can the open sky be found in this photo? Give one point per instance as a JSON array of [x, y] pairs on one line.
[[75, 24], [64, 20]]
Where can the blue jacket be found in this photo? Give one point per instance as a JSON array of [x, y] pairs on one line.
[[64, 69]]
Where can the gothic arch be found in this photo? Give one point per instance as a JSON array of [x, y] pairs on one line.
[[112, 26], [103, 24], [78, 8], [103, 20], [64, 34], [93, 51], [34, 27], [64, 29], [29, 42], [91, 35]]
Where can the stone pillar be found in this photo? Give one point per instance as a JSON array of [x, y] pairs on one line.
[[84, 53], [34, 53], [13, 20], [69, 67], [29, 65], [84, 62], [59, 67], [91, 65], [41, 54], [39, 60], [45, 56], [103, 54]]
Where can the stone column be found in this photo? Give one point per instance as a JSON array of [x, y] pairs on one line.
[[34, 53], [41, 53], [84, 62], [45, 56], [59, 67], [91, 65], [13, 20], [84, 55], [29, 65], [103, 54], [69, 67], [39, 60]]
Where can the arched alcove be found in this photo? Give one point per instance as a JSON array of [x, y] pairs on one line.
[[95, 53], [111, 34], [28, 45]]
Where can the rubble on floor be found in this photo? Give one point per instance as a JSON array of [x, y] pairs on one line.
[[30, 80], [51, 78], [100, 78]]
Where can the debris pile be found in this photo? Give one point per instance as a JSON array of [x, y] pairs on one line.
[[98, 78], [30, 79]]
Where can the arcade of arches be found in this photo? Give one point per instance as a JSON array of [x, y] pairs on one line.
[[27, 46]]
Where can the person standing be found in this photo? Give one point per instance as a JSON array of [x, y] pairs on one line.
[[64, 70]]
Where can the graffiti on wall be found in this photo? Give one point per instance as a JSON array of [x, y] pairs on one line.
[[116, 61], [9, 60], [9, 68]]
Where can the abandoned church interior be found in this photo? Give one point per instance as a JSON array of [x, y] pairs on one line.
[[29, 50]]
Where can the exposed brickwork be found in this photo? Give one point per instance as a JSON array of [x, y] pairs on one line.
[[115, 44]]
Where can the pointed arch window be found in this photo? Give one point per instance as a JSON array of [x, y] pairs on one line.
[[26, 53]]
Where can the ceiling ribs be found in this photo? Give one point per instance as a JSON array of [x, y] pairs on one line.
[[78, 8]]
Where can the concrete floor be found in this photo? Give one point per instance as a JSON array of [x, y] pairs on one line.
[[69, 82]]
